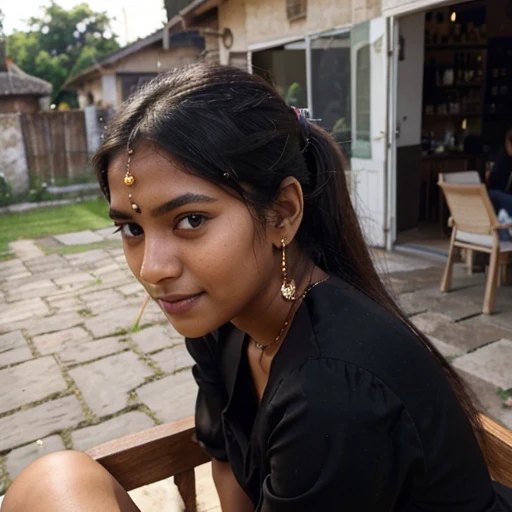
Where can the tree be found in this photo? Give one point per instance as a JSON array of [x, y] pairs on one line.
[[61, 43]]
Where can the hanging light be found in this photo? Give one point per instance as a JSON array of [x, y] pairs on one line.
[[453, 17]]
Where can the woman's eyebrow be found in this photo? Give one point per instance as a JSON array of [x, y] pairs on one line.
[[180, 201]]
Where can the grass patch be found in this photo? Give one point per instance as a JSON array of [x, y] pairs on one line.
[[504, 394], [54, 220]]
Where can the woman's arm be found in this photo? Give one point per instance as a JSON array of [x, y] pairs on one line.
[[232, 497]]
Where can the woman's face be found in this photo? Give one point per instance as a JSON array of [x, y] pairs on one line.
[[193, 246]]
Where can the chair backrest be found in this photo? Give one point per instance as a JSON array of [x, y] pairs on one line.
[[470, 207], [462, 178]]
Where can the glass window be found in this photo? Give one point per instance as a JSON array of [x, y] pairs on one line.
[[330, 80]]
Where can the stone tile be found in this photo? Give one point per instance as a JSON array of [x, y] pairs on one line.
[[60, 340], [506, 418], [127, 423], [156, 337], [105, 384], [173, 359], [52, 262], [15, 355], [53, 323], [102, 270], [74, 278], [413, 303], [491, 363], [26, 249], [20, 458], [37, 422], [17, 275], [28, 382], [109, 234], [88, 258], [23, 310], [78, 238], [112, 321], [171, 398], [100, 302], [65, 302], [32, 289], [446, 349], [84, 351], [161, 496], [131, 288], [10, 267], [10, 340], [466, 335]]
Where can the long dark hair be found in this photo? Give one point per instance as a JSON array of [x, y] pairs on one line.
[[232, 128]]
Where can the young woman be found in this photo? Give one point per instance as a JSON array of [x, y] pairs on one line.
[[315, 391]]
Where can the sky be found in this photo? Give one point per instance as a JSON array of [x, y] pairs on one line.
[[133, 18]]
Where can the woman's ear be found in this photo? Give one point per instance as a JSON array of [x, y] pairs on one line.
[[287, 211]]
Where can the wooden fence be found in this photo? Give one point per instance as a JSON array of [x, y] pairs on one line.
[[56, 144]]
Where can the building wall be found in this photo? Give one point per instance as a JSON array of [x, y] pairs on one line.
[[261, 21], [13, 163], [19, 105], [93, 87], [232, 16], [394, 7], [157, 60]]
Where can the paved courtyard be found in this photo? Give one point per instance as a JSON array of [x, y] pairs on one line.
[[75, 373]]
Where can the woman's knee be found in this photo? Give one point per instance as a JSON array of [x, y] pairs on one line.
[[56, 478]]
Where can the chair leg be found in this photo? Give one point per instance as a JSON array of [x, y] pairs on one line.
[[447, 277], [186, 483], [492, 282], [469, 261]]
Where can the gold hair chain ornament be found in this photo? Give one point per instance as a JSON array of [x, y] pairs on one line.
[[129, 180]]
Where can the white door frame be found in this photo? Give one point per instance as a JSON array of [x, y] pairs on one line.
[[392, 102]]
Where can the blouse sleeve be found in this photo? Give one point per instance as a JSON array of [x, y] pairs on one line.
[[211, 396], [339, 440]]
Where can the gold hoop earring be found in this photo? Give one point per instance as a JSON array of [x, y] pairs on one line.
[[288, 288]]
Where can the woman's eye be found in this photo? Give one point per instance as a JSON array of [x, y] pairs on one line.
[[129, 230], [192, 221]]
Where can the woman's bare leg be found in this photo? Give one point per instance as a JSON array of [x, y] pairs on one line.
[[66, 482]]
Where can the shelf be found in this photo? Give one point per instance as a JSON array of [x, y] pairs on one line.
[[461, 86], [473, 114], [457, 47]]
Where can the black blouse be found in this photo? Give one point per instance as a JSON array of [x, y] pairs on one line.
[[357, 416]]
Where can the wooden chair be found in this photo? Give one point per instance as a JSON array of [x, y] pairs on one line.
[[170, 450], [474, 227], [463, 178]]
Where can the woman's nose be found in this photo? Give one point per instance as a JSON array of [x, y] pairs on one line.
[[160, 262]]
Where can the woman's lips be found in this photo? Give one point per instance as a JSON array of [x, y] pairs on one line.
[[178, 304]]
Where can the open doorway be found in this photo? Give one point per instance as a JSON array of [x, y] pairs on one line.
[[454, 104]]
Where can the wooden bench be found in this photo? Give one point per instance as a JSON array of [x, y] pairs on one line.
[[170, 450]]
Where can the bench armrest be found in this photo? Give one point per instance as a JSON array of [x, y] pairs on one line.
[[151, 455], [499, 439]]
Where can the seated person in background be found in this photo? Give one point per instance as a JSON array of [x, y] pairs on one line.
[[499, 179]]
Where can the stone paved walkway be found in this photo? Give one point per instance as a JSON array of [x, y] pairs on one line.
[[74, 373]]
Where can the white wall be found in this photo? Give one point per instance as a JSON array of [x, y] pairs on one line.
[[109, 90], [410, 80]]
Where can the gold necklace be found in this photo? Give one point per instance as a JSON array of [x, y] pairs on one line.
[[261, 346]]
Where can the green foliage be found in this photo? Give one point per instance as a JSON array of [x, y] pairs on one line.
[[61, 43], [296, 95], [5, 191]]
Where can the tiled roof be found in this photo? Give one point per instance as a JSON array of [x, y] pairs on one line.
[[17, 82]]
